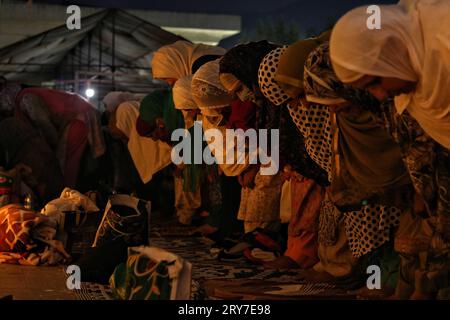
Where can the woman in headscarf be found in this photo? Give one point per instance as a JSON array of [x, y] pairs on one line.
[[8, 94], [239, 75], [158, 116], [305, 180], [169, 64], [149, 155], [188, 202], [21, 144], [182, 58], [259, 206], [367, 167], [408, 60], [67, 121], [313, 122], [201, 182]]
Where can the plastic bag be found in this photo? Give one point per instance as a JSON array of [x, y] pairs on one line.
[[125, 216], [152, 273]]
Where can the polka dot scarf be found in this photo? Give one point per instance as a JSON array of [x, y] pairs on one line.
[[266, 77]]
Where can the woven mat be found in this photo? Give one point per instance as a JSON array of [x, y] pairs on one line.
[[94, 291], [206, 267]]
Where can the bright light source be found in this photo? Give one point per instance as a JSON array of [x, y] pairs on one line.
[[90, 92]]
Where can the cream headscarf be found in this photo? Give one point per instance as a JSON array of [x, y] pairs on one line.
[[113, 99], [182, 98], [182, 94], [176, 60], [413, 44], [149, 156]]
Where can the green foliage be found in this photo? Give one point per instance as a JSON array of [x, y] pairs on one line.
[[273, 30], [282, 31]]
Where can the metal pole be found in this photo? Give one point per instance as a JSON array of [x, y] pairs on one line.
[[113, 69], [89, 51], [77, 86], [100, 47]]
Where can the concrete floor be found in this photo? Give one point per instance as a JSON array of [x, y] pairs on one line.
[[34, 283]]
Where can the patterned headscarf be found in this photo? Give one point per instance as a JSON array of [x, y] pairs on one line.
[[207, 90], [266, 77], [322, 86], [243, 61], [364, 149], [177, 60]]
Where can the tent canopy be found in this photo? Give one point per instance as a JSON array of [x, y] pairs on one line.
[[112, 50]]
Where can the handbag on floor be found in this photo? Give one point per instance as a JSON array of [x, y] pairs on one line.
[[125, 216], [152, 273]]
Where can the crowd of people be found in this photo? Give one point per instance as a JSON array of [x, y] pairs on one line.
[[364, 145]]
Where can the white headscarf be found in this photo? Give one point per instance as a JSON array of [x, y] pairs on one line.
[[413, 44], [176, 60], [149, 156], [182, 94]]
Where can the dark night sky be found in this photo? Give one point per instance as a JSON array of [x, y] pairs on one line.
[[241, 7], [303, 14]]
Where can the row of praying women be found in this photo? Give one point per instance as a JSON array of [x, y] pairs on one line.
[[364, 138]]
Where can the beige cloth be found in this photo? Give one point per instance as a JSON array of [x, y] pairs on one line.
[[413, 45], [175, 60], [149, 156], [336, 259], [260, 206]]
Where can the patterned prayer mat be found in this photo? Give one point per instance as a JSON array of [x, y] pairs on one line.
[[206, 267]]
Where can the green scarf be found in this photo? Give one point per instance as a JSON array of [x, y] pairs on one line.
[[193, 174], [159, 104]]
